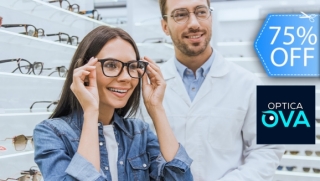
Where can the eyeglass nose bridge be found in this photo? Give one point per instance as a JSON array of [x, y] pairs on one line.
[[125, 65]]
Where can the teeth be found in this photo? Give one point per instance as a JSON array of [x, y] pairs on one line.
[[118, 90], [194, 36]]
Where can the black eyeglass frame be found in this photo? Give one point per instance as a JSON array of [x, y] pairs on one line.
[[51, 103], [35, 33], [70, 6], [31, 66], [59, 70], [195, 9], [102, 61]]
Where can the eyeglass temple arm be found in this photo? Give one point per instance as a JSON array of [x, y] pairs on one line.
[[57, 34], [8, 60], [13, 25], [7, 139], [39, 102]]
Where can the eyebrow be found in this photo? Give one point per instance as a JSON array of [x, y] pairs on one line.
[[201, 6]]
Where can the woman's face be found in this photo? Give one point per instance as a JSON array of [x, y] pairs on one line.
[[114, 92]]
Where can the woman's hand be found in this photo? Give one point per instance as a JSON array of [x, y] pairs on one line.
[[153, 91], [87, 96]]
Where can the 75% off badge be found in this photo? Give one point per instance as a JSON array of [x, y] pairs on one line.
[[287, 45]]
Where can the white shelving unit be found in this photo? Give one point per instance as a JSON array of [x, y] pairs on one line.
[[19, 91]]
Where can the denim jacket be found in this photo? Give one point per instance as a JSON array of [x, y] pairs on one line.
[[139, 158]]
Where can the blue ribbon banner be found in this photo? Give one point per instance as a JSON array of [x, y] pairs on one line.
[[288, 45]]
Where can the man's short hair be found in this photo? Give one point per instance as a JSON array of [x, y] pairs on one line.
[[163, 7]]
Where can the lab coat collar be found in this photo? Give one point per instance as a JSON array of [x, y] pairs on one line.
[[219, 67]]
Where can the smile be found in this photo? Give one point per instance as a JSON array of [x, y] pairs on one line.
[[118, 90]]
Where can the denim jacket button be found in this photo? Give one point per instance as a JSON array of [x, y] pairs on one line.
[[144, 165], [121, 162], [99, 124], [100, 143], [107, 168]]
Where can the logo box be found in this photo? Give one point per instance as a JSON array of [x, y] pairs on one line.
[[286, 114]]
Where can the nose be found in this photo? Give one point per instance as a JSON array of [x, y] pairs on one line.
[[124, 75], [193, 22]]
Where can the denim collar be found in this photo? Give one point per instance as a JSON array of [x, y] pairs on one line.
[[76, 119]]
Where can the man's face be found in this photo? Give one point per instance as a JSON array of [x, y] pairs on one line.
[[192, 37]]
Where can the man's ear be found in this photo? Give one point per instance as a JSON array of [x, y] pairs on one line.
[[164, 25]]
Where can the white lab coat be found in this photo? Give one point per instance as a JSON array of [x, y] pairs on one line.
[[218, 129]]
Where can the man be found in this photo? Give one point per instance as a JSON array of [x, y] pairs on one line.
[[211, 103]]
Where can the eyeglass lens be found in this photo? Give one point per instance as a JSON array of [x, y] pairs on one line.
[[113, 68], [182, 15], [20, 142]]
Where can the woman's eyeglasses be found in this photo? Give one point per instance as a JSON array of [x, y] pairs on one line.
[[20, 142], [62, 71], [25, 67], [113, 67], [66, 38], [50, 104], [30, 30]]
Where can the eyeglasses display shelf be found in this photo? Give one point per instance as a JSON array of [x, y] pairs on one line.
[[52, 13]]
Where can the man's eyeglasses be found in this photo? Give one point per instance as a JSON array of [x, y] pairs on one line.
[[25, 66], [66, 38], [62, 70], [182, 15], [20, 142], [30, 30], [95, 14], [50, 104], [113, 67]]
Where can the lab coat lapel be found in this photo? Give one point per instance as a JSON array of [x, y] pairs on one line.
[[174, 81], [218, 69]]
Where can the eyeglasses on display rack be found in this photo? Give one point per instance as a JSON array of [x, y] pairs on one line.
[[66, 38], [307, 169], [20, 142], [156, 40], [62, 71], [113, 67], [309, 153], [25, 67], [30, 30], [318, 137], [50, 104], [76, 9], [95, 14], [289, 168], [32, 174], [182, 15], [292, 152], [66, 5], [21, 178]]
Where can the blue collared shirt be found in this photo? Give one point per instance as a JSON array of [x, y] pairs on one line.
[[56, 143], [192, 81]]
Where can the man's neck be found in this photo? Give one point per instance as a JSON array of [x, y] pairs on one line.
[[193, 62]]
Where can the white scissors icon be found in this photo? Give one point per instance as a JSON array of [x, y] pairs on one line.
[[311, 16]]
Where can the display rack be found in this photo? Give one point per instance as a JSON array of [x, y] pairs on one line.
[[19, 91]]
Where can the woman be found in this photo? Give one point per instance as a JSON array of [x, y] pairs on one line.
[[87, 138]]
